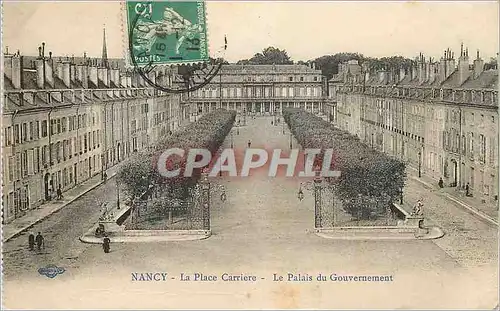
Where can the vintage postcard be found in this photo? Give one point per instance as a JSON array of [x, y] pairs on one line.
[[250, 155]]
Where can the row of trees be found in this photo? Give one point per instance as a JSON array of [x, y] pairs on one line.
[[140, 172], [329, 63], [370, 181]]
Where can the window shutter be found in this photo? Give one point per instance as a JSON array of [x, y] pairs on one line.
[[31, 162], [18, 166]]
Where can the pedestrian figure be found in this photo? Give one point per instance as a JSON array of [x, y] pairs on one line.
[[105, 244], [39, 241], [467, 194], [440, 183], [105, 176], [31, 241], [249, 143], [272, 123], [59, 193]]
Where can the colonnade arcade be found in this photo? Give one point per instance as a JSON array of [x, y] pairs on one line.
[[257, 107]]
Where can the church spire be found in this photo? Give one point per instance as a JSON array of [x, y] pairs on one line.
[[104, 59]]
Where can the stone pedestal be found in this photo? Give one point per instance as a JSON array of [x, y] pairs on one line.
[[110, 226], [414, 221]]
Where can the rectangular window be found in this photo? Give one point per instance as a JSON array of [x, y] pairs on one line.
[[58, 126], [18, 167], [12, 168], [482, 148], [44, 154], [64, 124], [25, 132], [37, 159], [31, 162], [31, 131], [44, 128], [492, 150], [37, 130]]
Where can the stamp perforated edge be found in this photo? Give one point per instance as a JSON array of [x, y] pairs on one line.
[[125, 39]]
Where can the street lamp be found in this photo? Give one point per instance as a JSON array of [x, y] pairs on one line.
[[117, 194], [419, 164], [232, 143], [291, 146], [283, 127]]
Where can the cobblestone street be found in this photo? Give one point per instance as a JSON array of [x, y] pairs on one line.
[[261, 229], [61, 232]]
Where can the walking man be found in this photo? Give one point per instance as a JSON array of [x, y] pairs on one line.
[[105, 244], [440, 183], [39, 241], [467, 193], [249, 143], [59, 193], [31, 241]]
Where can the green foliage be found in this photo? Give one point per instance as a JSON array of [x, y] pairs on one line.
[[328, 64], [269, 56], [369, 179], [141, 170], [492, 64]]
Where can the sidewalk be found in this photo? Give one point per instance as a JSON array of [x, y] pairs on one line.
[[32, 217], [486, 211]]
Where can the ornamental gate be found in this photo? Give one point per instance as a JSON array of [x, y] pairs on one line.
[[330, 211], [153, 212]]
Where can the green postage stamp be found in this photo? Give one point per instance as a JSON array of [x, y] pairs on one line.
[[166, 32]]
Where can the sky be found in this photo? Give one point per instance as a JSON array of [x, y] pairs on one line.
[[305, 29]]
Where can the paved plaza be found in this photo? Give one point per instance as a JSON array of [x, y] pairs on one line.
[[261, 230]]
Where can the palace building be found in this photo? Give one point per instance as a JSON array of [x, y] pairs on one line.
[[259, 89], [66, 120], [441, 117]]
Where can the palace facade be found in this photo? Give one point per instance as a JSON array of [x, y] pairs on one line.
[[259, 89], [67, 120], [441, 117]]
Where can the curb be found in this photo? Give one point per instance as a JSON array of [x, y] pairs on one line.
[[22, 230], [141, 239], [466, 206], [434, 233]]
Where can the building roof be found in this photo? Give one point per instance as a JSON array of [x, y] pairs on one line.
[[239, 69], [487, 79]]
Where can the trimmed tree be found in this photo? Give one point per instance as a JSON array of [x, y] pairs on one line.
[[369, 181]]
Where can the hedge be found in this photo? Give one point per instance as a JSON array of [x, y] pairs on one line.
[[140, 171], [367, 175]]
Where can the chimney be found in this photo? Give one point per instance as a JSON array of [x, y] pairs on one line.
[[102, 74], [478, 66], [59, 70], [72, 72], [421, 69], [123, 79], [14, 69], [463, 66], [414, 71], [93, 74], [402, 74], [66, 73], [129, 79], [40, 74], [433, 70], [82, 74]]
